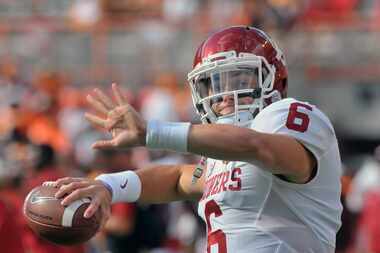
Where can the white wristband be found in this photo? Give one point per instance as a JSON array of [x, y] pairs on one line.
[[167, 135], [125, 186]]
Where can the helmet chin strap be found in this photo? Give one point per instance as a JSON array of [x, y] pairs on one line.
[[243, 118]]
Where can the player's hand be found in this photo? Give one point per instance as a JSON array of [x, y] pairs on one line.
[[71, 189], [127, 127]]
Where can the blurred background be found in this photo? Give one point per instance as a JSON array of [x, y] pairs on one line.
[[53, 52]]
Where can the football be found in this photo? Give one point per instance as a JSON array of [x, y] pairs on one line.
[[56, 223]]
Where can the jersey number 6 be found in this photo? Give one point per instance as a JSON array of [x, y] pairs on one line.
[[216, 237], [297, 120]]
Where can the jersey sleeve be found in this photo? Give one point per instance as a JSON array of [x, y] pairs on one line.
[[300, 120]]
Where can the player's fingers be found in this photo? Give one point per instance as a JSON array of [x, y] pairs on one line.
[[107, 102], [112, 122], [115, 132], [122, 117], [118, 117], [120, 98], [92, 208], [131, 117], [66, 180], [78, 194], [104, 144], [95, 120], [97, 105], [50, 183], [68, 188]]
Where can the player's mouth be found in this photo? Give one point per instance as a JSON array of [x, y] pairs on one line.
[[226, 109]]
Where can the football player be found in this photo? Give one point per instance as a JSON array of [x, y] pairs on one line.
[[269, 177]]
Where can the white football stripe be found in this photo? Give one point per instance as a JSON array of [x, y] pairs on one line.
[[68, 213]]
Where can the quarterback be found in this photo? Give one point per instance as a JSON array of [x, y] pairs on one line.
[[269, 177]]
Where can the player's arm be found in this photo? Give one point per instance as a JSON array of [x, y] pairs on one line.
[[278, 153], [165, 183], [160, 184], [156, 184]]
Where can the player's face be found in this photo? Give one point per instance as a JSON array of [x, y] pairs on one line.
[[227, 105], [230, 81]]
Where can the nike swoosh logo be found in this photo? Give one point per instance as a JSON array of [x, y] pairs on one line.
[[36, 199], [122, 186]]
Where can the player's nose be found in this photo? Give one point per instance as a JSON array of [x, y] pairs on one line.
[[228, 98]]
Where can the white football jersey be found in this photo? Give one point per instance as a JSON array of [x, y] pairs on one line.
[[249, 210]]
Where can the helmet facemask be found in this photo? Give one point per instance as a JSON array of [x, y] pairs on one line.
[[243, 82]]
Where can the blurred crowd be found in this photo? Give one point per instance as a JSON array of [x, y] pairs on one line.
[[43, 135]]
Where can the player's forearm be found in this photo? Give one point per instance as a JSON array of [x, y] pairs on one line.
[[165, 183], [224, 142], [279, 154]]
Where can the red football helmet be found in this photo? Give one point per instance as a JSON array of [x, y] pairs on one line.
[[240, 62]]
